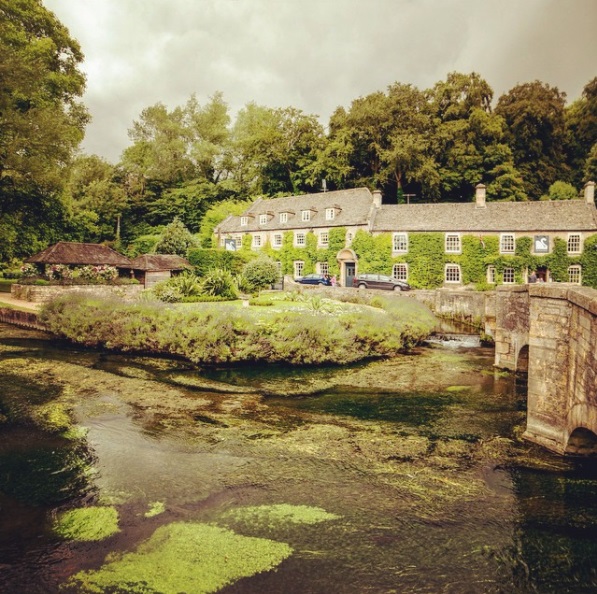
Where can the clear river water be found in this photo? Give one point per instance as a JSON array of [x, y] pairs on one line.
[[401, 476]]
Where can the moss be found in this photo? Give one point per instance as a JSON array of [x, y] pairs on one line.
[[155, 509], [88, 524], [184, 557], [52, 417], [280, 514]]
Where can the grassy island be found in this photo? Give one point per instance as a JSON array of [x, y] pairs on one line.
[[295, 328]]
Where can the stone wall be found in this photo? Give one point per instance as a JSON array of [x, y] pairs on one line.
[[43, 293]]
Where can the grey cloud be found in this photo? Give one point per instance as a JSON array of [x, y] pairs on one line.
[[313, 54]]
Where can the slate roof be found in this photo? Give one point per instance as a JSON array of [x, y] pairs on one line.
[[551, 215], [353, 207], [159, 262], [65, 252]]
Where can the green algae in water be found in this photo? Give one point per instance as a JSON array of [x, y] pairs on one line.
[[281, 514], [87, 524], [184, 557], [155, 509]]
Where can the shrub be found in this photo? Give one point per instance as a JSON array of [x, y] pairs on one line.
[[176, 239], [260, 273], [220, 283]]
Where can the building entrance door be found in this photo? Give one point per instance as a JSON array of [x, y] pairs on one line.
[[349, 272]]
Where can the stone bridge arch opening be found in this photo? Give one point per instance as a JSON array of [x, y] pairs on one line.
[[582, 442], [522, 361]]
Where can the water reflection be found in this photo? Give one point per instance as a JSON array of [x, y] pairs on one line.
[[417, 458]]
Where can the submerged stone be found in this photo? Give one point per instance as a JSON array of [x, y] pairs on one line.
[[183, 557]]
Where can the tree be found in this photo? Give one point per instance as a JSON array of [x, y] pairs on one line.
[[534, 116], [561, 190], [176, 239], [261, 273], [41, 122]]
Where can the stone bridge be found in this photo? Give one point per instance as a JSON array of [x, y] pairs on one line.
[[550, 330]]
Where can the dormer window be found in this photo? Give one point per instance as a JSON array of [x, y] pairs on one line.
[[330, 214], [263, 219], [244, 221], [283, 217], [305, 215]]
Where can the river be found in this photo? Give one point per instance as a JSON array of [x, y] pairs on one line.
[[400, 476]]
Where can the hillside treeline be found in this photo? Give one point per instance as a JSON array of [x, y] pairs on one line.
[[197, 162]]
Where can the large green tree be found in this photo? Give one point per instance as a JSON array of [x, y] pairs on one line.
[[534, 115], [41, 123]]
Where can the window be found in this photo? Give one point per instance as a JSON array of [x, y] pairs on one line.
[[283, 217], [452, 273], [508, 276], [262, 219], [452, 243], [305, 215], [400, 242], [324, 238], [400, 272], [491, 274], [323, 268], [256, 241], [574, 243], [574, 274], [299, 239], [298, 268], [244, 221], [330, 213], [507, 243], [277, 240]]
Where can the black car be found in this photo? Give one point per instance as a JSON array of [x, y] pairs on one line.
[[379, 281], [314, 279]]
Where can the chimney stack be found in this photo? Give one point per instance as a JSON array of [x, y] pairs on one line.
[[590, 192], [480, 195], [377, 198]]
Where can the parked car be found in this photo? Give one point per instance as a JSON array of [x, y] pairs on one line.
[[379, 281], [314, 279]]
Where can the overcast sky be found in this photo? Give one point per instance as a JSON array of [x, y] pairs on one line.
[[313, 54]]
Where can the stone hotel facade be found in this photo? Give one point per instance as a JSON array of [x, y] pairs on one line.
[[270, 223]]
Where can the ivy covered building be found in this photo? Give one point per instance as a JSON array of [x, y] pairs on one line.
[[428, 245]]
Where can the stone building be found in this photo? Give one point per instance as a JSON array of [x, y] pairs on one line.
[[269, 223]]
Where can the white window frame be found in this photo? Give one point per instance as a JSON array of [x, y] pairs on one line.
[[491, 275], [575, 274], [400, 271], [323, 268], [244, 221], [330, 214], [449, 277], [509, 275], [574, 240], [283, 217], [324, 238], [305, 215], [277, 240], [453, 238], [505, 247], [302, 237], [263, 219], [257, 241], [400, 243], [299, 266]]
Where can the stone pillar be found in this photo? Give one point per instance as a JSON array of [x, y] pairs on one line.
[[548, 389]]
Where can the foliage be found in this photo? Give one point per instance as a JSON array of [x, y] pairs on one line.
[[217, 334], [261, 273], [176, 239], [560, 190], [588, 262], [220, 283], [207, 259], [144, 244], [87, 524]]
